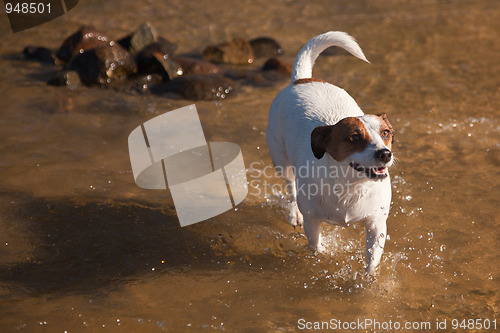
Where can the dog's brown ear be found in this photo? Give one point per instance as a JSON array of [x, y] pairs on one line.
[[385, 119], [319, 136]]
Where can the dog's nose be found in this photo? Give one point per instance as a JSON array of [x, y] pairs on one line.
[[383, 155]]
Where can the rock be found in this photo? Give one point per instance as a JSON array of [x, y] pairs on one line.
[[199, 87], [103, 64], [273, 71], [144, 35], [166, 46], [154, 58], [265, 47], [236, 51], [41, 54], [196, 66], [84, 39], [157, 63], [277, 69], [139, 84], [70, 79]]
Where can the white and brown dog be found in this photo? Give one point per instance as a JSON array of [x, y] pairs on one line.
[[334, 157]]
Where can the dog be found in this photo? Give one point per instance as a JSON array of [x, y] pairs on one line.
[[335, 158]]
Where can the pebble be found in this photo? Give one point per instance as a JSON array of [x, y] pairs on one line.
[[236, 51], [70, 79], [85, 38]]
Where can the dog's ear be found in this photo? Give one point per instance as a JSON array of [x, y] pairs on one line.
[[319, 136], [384, 118]]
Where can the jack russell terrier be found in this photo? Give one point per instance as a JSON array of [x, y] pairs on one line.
[[334, 157]]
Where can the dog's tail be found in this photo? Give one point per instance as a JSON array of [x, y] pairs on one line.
[[302, 68]]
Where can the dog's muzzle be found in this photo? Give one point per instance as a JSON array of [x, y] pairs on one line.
[[382, 155]]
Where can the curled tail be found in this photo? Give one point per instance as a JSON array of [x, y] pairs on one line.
[[304, 62]]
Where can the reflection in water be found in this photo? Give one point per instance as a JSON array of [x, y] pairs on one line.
[[82, 246]]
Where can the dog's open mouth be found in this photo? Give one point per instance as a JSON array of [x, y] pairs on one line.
[[373, 173]]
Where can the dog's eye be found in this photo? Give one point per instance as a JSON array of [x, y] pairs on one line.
[[385, 134], [355, 138]]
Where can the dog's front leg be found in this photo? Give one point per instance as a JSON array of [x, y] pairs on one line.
[[312, 229], [295, 217], [376, 232]]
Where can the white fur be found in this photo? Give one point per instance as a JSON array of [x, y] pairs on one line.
[[295, 112]]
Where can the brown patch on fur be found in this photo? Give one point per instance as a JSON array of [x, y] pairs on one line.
[[336, 139], [386, 126], [308, 80]]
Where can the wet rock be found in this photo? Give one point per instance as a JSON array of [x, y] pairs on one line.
[[277, 69], [154, 58], [196, 66], [236, 51], [199, 87], [166, 46], [41, 54], [265, 47], [103, 64], [139, 84], [144, 35], [70, 79], [85, 38], [162, 44], [273, 71]]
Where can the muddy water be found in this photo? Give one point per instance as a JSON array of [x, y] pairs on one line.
[[82, 247]]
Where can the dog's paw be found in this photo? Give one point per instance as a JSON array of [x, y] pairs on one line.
[[319, 248], [295, 217]]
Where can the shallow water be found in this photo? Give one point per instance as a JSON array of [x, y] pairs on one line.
[[82, 247]]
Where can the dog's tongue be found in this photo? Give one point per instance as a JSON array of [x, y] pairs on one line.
[[380, 170]]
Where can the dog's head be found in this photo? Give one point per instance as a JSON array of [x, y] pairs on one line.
[[364, 143]]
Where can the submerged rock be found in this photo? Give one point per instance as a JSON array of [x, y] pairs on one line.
[[103, 64], [277, 69], [41, 54], [70, 79], [85, 38], [196, 66], [199, 87], [138, 84], [273, 71], [236, 51], [265, 47]]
